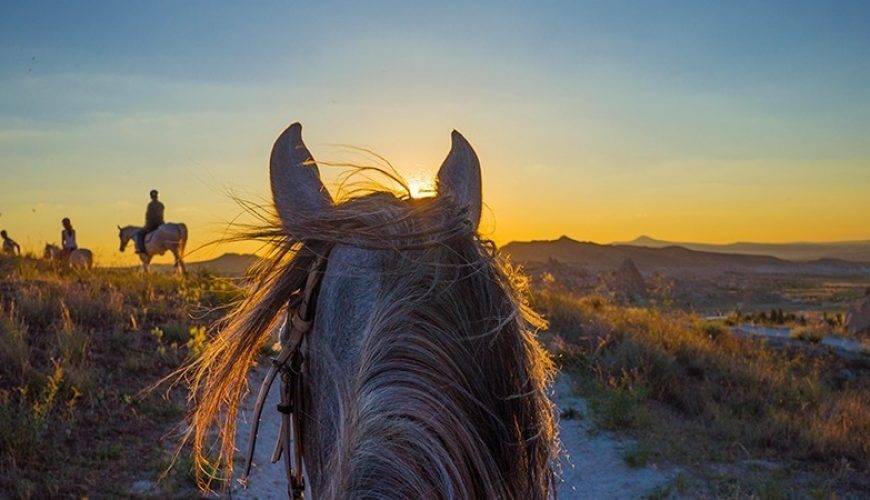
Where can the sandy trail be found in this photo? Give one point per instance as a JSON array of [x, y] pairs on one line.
[[592, 464]]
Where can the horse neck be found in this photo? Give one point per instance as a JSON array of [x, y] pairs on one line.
[[130, 231], [417, 415]]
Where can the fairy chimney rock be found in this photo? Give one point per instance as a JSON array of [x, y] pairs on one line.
[[629, 281]]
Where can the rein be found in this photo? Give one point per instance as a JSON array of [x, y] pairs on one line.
[[289, 365]]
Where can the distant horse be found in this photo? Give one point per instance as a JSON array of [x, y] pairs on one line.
[[422, 375], [170, 237], [81, 258]]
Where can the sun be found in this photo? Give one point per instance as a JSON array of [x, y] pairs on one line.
[[420, 187]]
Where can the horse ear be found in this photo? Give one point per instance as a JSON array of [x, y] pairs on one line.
[[459, 177], [296, 184], [119, 228]]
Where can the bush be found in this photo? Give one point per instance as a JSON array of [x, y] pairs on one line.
[[619, 409], [714, 329], [14, 349], [631, 360], [78, 352], [807, 334], [636, 456]]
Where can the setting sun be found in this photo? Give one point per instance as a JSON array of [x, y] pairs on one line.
[[420, 187], [465, 249]]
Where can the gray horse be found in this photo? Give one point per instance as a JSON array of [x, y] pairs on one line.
[[170, 237], [423, 375], [80, 258]]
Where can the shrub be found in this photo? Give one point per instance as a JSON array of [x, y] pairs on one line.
[[175, 332], [636, 456], [14, 349], [571, 414], [777, 403], [77, 353], [21, 429], [714, 329], [807, 334], [619, 409], [196, 344]]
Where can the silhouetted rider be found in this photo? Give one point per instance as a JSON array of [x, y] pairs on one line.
[[68, 243], [9, 245], [153, 220]]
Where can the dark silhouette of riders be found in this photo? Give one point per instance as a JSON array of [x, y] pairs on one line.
[[67, 239], [10, 247], [153, 220]]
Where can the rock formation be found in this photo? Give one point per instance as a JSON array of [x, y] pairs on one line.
[[858, 319], [627, 283]]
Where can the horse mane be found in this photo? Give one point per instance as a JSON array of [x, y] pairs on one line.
[[449, 396]]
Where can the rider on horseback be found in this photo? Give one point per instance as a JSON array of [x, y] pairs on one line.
[[67, 239], [153, 220], [10, 247]]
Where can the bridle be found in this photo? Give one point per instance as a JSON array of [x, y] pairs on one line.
[[289, 365]]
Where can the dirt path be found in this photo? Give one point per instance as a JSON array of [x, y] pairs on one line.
[[267, 479], [592, 464]]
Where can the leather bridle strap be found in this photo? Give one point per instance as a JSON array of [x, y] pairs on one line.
[[289, 364]]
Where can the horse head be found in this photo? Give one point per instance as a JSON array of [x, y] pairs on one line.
[[124, 235], [423, 376]]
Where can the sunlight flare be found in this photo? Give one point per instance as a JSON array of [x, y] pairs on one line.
[[421, 187]]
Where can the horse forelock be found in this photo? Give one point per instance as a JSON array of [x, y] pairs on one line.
[[448, 397]]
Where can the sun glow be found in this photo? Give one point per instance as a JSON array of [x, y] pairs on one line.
[[420, 187]]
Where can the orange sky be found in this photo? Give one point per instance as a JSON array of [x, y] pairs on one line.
[[598, 121]]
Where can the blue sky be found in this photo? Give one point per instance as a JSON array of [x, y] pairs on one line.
[[713, 121]]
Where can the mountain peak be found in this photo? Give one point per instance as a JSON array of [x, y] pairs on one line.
[[644, 239]]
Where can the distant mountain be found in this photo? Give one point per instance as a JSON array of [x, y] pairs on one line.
[[673, 259], [652, 255], [855, 251], [228, 264]]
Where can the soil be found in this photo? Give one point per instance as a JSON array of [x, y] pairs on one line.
[[592, 463]]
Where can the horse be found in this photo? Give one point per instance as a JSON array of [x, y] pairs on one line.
[[80, 258], [421, 372], [168, 237]]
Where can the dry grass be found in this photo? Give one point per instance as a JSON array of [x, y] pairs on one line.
[[663, 373], [76, 351], [808, 334]]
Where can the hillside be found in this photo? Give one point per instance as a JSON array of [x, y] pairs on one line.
[[854, 251], [670, 259], [836, 258], [78, 352], [228, 264]]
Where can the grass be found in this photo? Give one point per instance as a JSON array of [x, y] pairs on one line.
[[617, 407], [693, 393], [807, 334], [679, 485], [77, 351], [571, 414], [636, 456]]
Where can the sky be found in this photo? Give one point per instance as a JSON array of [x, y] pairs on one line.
[[687, 121]]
